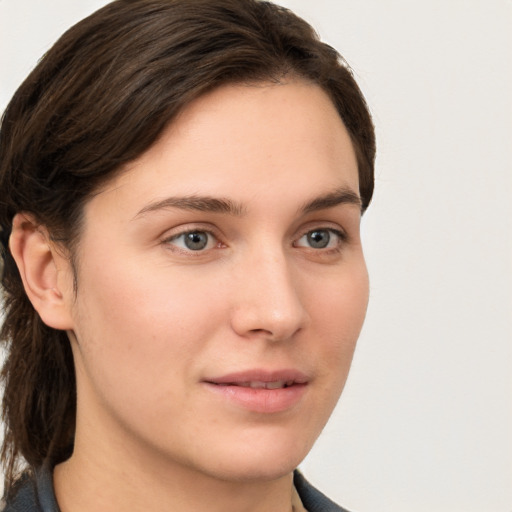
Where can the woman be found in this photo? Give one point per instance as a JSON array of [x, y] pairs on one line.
[[182, 186]]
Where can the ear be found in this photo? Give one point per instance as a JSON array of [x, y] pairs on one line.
[[46, 274]]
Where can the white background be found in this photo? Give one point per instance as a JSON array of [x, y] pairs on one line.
[[425, 422]]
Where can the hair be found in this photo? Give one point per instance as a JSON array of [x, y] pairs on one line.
[[98, 99]]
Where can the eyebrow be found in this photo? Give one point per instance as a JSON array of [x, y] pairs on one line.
[[339, 196], [196, 203]]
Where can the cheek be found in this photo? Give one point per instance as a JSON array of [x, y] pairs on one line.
[[342, 302], [139, 329], [338, 314]]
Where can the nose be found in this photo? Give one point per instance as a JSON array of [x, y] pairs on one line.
[[267, 299]]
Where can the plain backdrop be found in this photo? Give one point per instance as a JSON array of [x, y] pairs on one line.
[[425, 422]]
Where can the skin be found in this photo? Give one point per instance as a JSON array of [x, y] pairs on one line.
[[152, 319]]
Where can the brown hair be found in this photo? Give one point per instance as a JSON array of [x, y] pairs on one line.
[[99, 99]]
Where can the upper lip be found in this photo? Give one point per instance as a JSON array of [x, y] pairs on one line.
[[260, 375]]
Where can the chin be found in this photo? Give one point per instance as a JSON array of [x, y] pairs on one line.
[[260, 461], [242, 473]]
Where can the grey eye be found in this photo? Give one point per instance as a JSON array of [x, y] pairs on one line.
[[318, 239], [321, 238], [195, 240]]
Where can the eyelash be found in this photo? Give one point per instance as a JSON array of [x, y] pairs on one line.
[[339, 234], [198, 230]]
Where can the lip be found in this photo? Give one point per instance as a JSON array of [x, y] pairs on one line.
[[233, 388]]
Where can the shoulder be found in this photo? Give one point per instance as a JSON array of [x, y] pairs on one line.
[[23, 497], [313, 499], [33, 492]]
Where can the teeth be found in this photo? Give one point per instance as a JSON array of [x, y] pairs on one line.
[[256, 384], [276, 385]]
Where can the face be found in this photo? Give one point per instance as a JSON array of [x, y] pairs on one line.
[[222, 287]]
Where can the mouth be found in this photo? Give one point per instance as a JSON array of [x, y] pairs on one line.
[[258, 384], [261, 379], [261, 391]]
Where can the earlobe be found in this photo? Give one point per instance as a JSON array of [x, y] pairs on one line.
[[43, 271]]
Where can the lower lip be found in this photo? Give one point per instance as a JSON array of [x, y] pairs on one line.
[[261, 400]]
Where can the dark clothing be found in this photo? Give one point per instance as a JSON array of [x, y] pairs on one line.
[[312, 499], [35, 494]]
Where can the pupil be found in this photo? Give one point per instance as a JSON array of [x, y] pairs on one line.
[[319, 239], [196, 240]]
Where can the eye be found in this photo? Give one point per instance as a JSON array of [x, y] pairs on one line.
[[321, 239], [193, 240]]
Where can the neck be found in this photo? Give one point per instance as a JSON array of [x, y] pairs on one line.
[[113, 468], [104, 479]]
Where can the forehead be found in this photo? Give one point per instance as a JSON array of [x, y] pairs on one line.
[[272, 117], [243, 142]]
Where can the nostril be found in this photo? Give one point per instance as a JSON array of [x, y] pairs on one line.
[[263, 334], [273, 313]]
